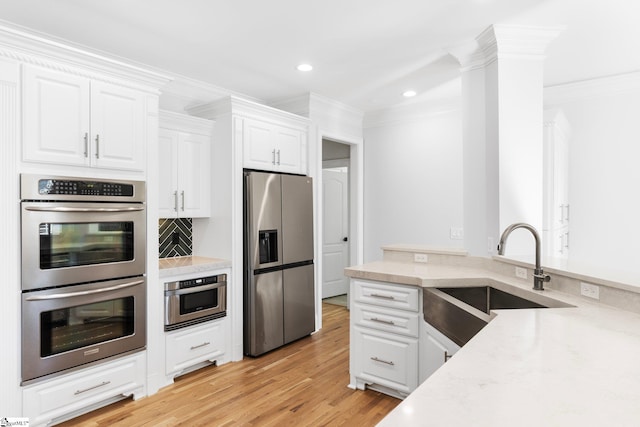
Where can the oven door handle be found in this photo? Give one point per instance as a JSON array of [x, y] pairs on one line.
[[67, 209], [82, 293]]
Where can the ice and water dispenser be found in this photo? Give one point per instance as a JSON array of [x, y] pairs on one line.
[[268, 244]]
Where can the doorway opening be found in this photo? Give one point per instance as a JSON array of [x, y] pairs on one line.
[[335, 219]]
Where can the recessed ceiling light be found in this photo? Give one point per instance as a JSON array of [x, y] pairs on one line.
[[409, 93], [304, 67]]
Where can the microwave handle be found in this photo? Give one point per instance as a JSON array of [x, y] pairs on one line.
[[68, 209], [82, 293], [194, 289]]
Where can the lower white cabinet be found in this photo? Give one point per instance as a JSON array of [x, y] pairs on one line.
[[383, 359], [72, 394], [384, 335], [435, 350], [189, 347], [393, 349]]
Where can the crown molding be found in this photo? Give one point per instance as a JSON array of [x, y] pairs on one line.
[[411, 113], [236, 105], [183, 93], [28, 46], [178, 121], [330, 115], [592, 88], [515, 41]]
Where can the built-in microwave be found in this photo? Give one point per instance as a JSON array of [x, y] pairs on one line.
[[192, 301]]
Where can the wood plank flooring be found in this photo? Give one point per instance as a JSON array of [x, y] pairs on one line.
[[302, 384]]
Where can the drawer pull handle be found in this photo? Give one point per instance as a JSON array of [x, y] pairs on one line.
[[386, 322], [375, 359], [383, 296], [104, 383], [204, 344], [447, 356]]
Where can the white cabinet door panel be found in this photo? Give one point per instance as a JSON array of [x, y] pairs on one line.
[[194, 175], [117, 120], [168, 173], [388, 360], [56, 117]]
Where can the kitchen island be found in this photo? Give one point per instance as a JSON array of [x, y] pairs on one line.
[[527, 367]]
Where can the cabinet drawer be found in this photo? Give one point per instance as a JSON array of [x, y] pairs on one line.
[[394, 321], [189, 346], [52, 399], [388, 360], [386, 295]]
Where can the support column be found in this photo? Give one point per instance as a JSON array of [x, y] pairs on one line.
[[502, 88]]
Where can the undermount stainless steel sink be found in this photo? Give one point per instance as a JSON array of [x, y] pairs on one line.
[[460, 312]]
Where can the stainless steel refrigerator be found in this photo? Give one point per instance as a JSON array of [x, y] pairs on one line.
[[278, 260]]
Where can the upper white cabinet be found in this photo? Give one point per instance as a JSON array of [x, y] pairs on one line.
[[73, 120], [184, 152], [266, 138], [271, 146]]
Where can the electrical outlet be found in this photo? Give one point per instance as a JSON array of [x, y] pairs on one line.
[[590, 291], [456, 233], [420, 257], [491, 246], [521, 272]]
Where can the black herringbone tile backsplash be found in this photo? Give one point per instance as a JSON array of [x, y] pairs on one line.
[[166, 230]]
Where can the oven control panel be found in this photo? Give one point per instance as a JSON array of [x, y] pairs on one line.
[[80, 189], [194, 283], [83, 188]]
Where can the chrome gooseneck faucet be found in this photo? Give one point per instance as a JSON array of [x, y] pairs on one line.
[[538, 275]]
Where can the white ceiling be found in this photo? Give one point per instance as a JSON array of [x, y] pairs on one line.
[[365, 53]]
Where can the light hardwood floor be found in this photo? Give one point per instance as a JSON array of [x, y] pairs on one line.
[[302, 384]]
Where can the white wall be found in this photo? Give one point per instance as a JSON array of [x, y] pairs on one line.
[[412, 182], [604, 181]]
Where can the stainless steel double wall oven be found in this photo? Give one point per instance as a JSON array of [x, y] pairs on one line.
[[83, 272]]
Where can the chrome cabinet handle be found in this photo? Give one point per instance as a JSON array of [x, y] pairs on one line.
[[278, 157], [104, 383], [182, 196], [273, 156], [86, 145], [82, 210], [386, 322], [389, 297], [97, 146], [375, 359], [204, 344], [175, 200], [83, 293]]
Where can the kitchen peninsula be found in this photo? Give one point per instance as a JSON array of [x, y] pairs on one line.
[[527, 367]]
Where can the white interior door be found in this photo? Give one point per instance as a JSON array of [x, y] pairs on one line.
[[335, 244]]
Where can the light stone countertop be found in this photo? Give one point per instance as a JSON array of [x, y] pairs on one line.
[[190, 264], [575, 366]]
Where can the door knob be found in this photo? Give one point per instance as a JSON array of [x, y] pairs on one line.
[[345, 239]]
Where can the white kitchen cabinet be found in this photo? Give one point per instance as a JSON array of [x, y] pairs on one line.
[[191, 346], [556, 206], [264, 137], [384, 332], [73, 120], [72, 394], [435, 350], [184, 153], [274, 147]]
